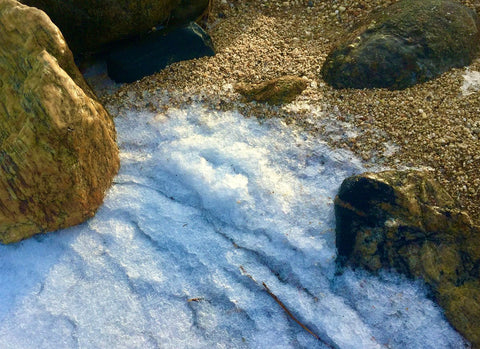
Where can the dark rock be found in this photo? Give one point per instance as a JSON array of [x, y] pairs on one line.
[[157, 50], [188, 10], [409, 42], [58, 153], [88, 25], [276, 91], [405, 220]]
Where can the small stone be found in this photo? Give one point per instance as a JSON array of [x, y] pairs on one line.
[[388, 52], [276, 91]]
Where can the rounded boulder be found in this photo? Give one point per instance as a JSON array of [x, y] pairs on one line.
[[409, 42]]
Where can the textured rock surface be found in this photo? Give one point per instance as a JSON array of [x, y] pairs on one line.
[[188, 10], [406, 221], [57, 143], [90, 24], [276, 91], [409, 42], [157, 50]]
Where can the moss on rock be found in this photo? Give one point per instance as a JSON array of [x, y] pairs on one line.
[[411, 41], [406, 221]]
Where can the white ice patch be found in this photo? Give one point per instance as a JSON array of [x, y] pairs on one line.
[[201, 199], [471, 82]]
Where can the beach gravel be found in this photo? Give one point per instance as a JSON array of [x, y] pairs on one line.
[[430, 126]]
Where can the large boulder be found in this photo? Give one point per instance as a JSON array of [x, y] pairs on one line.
[[406, 221], [58, 153], [409, 42], [88, 25]]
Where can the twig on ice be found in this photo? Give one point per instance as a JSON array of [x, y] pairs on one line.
[[279, 302]]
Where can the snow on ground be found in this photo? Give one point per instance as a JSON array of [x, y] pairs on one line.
[[471, 82], [208, 206]]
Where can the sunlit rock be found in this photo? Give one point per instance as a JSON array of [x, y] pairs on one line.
[[276, 91], [406, 221], [57, 143], [409, 42]]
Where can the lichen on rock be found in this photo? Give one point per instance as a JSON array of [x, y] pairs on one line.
[[58, 153]]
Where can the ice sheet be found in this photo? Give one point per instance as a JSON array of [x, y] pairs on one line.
[[204, 203]]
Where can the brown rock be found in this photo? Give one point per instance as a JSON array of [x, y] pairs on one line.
[[276, 91], [57, 143], [406, 221], [90, 24]]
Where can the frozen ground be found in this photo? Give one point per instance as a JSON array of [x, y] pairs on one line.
[[204, 203]]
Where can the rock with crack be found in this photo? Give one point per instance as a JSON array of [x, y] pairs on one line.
[[409, 42], [406, 221], [276, 91], [58, 153], [144, 57]]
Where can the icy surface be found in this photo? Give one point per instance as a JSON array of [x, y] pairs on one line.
[[207, 207], [471, 82]]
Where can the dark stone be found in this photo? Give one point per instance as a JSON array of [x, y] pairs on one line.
[[409, 42], [188, 10], [89, 25], [157, 50], [404, 220]]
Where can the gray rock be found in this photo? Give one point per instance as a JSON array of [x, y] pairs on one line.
[[409, 42]]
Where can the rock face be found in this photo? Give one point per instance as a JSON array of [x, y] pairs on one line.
[[188, 10], [406, 221], [411, 41], [90, 24], [157, 50], [276, 91], [57, 143]]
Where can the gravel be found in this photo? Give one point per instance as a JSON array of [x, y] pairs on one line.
[[431, 125]]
